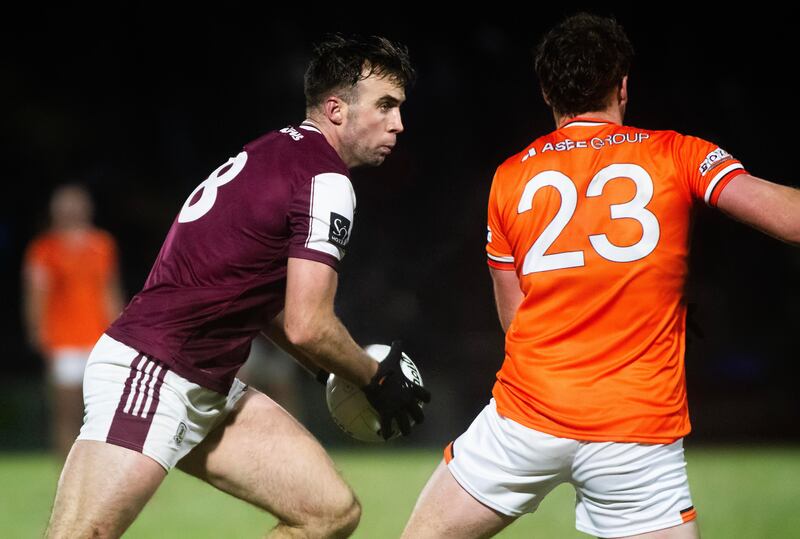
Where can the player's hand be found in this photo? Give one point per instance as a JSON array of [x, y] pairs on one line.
[[394, 396]]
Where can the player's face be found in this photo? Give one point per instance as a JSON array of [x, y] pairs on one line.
[[70, 206], [373, 121]]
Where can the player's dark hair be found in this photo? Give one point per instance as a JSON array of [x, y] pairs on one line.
[[581, 61], [339, 62]]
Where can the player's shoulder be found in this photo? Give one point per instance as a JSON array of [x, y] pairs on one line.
[[669, 136], [43, 247], [302, 149], [103, 238], [39, 242]]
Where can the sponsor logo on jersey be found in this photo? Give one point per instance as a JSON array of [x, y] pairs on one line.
[[292, 132], [596, 143], [339, 233], [713, 159], [531, 153]]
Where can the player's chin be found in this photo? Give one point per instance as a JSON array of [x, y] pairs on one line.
[[375, 160]]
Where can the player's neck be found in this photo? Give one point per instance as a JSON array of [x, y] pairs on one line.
[[329, 134], [612, 114]]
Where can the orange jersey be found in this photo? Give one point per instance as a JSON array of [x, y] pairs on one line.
[[77, 275], [594, 218]]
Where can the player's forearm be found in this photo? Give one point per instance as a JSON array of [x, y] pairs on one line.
[[275, 333], [33, 315], [772, 208], [114, 298], [325, 341], [33, 312], [506, 315], [507, 295]]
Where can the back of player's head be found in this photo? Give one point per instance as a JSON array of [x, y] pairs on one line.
[[339, 62], [581, 61]]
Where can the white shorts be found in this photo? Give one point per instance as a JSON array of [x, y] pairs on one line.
[[622, 488], [134, 401], [67, 366]]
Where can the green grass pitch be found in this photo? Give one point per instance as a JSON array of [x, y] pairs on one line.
[[739, 492]]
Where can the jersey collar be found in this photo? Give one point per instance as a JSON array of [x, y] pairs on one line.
[[586, 121], [308, 126]]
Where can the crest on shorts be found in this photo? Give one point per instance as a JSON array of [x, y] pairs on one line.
[[180, 433]]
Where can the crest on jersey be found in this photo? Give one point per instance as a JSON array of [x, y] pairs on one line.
[[713, 159], [339, 233]]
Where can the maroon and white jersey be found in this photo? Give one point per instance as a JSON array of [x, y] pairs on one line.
[[221, 273]]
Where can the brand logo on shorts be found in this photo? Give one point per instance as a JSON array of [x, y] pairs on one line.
[[180, 433], [339, 233]]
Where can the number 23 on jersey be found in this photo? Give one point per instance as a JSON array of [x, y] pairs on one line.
[[537, 259]]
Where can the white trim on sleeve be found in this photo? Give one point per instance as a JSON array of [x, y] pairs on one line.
[[721, 174], [333, 203], [503, 259]]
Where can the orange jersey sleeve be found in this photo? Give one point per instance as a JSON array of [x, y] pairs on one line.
[[706, 168], [77, 275], [594, 219], [498, 249]]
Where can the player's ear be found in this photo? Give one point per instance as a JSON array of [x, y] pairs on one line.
[[334, 109], [623, 91], [546, 100]]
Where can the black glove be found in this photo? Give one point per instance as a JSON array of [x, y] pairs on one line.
[[322, 376], [394, 396]]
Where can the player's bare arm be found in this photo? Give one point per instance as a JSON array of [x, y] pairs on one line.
[[274, 332], [507, 295], [115, 301], [769, 207], [311, 325], [35, 285]]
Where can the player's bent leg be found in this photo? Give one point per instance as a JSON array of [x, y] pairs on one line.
[[445, 509], [262, 455], [101, 490], [630, 490]]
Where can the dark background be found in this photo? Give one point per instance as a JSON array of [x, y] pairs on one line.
[[141, 105]]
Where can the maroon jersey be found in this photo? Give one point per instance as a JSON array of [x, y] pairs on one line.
[[221, 273]]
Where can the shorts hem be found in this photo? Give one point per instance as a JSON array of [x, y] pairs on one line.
[[630, 531], [127, 445], [480, 498]]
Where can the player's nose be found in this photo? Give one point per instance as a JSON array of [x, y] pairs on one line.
[[396, 122]]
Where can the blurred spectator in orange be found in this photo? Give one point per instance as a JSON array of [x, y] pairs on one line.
[[71, 293]]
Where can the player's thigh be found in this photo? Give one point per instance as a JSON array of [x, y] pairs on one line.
[[101, 490], [687, 530], [262, 455], [445, 509], [496, 471], [508, 466], [628, 490]]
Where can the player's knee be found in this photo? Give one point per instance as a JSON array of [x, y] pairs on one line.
[[349, 519], [342, 519], [339, 519]]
